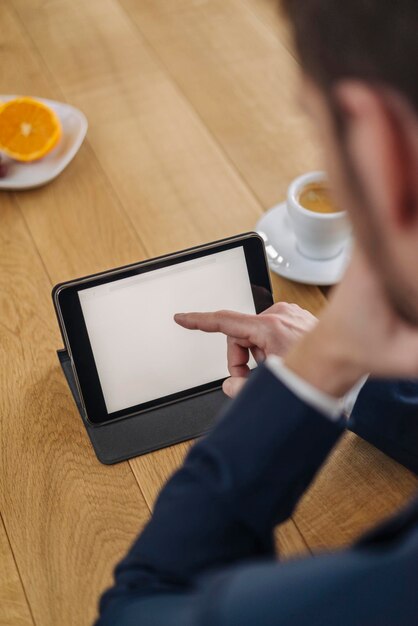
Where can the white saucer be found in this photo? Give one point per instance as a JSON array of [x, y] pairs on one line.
[[284, 257], [37, 173]]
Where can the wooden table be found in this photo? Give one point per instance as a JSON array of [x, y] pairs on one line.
[[194, 131]]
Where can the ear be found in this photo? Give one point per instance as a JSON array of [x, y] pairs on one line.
[[381, 137]]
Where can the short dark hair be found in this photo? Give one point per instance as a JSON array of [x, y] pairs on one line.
[[371, 40]]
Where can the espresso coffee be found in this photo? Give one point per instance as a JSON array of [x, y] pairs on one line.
[[316, 197]]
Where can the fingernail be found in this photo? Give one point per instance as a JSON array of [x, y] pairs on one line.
[[177, 315], [227, 387]]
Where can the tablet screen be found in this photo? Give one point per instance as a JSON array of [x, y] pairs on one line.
[[140, 353]]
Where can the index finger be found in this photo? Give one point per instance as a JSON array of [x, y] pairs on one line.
[[231, 323]]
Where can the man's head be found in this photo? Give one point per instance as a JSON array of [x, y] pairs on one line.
[[361, 87]]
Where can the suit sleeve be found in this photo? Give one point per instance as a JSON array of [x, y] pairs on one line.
[[235, 486], [385, 414]]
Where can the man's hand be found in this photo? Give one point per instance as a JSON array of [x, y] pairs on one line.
[[358, 333], [274, 331]]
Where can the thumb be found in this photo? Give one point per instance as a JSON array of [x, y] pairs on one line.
[[232, 386]]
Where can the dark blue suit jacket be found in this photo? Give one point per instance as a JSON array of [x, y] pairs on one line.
[[207, 556]]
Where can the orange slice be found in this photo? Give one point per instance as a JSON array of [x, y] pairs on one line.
[[29, 129]]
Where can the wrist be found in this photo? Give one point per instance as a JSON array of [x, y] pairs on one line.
[[322, 361]]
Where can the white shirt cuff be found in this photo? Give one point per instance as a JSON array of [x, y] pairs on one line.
[[331, 407]]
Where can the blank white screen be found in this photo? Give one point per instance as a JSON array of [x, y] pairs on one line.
[[141, 354]]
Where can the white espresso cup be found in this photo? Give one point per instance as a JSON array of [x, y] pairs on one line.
[[319, 236]]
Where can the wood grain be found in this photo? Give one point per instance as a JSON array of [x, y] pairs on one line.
[[358, 487], [66, 533], [14, 608], [68, 518], [175, 197], [242, 82], [181, 186], [171, 177], [193, 132], [271, 14]]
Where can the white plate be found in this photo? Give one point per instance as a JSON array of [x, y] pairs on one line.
[[37, 173], [284, 257]]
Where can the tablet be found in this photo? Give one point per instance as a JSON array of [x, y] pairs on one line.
[[127, 353]]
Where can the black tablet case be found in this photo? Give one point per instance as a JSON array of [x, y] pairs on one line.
[[192, 417], [151, 430]]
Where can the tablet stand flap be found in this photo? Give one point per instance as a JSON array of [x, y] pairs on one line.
[[157, 428]]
